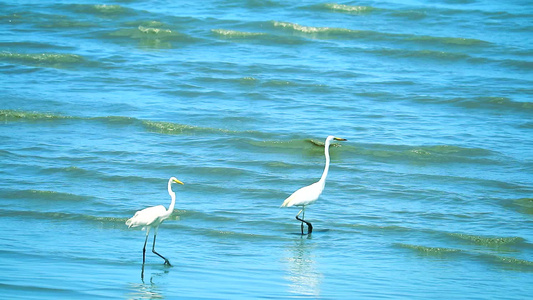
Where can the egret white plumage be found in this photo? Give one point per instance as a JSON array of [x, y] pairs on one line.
[[309, 194], [152, 217]]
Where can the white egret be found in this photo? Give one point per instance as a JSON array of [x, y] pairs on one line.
[[152, 217], [309, 194]]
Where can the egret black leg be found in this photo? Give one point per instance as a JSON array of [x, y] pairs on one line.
[[303, 218], [153, 250], [309, 226], [144, 249], [297, 218], [144, 252]]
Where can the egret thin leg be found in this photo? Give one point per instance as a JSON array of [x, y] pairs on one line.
[[153, 250], [144, 248], [302, 223], [309, 226]]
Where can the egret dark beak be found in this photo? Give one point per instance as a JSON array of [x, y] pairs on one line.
[[339, 139]]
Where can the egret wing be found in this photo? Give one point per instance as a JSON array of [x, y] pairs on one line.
[[303, 196], [147, 216]]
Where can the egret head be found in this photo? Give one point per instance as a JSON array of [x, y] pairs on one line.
[[334, 138], [174, 179]]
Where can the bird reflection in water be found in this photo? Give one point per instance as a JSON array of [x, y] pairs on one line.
[[302, 272], [147, 290]]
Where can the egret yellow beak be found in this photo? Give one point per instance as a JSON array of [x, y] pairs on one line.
[[177, 181], [339, 139]]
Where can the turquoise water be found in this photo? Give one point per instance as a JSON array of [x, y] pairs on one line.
[[430, 197]]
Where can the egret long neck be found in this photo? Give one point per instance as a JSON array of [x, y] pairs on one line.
[[173, 196], [326, 168]]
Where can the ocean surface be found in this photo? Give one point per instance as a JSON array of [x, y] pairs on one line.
[[431, 197]]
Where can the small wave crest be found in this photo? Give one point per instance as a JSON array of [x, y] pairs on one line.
[[52, 60], [236, 34], [285, 145], [51, 215], [424, 250], [425, 54], [175, 128], [311, 29], [150, 34], [509, 262], [350, 9], [117, 120], [7, 115], [72, 170], [429, 153], [153, 30], [411, 14], [163, 127], [506, 262], [107, 10], [43, 195], [488, 241], [448, 40], [437, 41], [428, 250], [483, 102], [494, 102]]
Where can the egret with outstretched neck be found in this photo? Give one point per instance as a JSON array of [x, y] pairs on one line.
[[152, 217], [309, 194]]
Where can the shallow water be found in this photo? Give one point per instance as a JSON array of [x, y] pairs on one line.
[[431, 196]]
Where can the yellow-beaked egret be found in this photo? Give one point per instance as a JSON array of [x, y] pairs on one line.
[[309, 194], [152, 217]]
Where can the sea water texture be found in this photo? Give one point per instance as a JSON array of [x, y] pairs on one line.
[[102, 102]]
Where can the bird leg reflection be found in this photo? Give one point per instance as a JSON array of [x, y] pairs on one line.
[[309, 226]]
